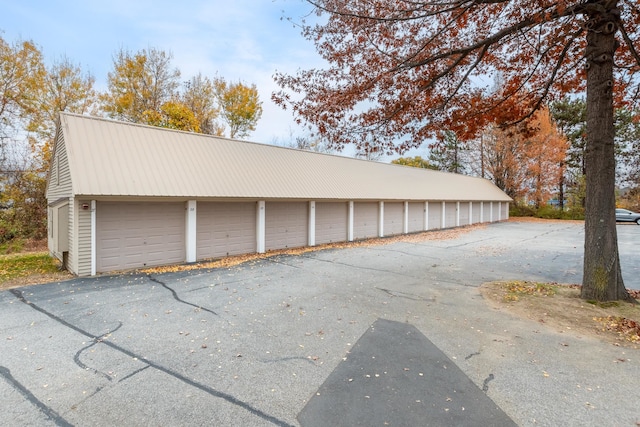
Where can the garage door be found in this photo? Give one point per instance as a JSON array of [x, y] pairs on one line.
[[286, 225], [450, 214], [435, 215], [365, 220], [331, 222], [416, 217], [393, 218], [477, 206], [135, 235], [464, 213], [225, 229]]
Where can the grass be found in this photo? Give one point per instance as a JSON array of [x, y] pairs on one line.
[[560, 307], [27, 262], [16, 266]]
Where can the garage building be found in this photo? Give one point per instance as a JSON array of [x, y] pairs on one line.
[[124, 196]]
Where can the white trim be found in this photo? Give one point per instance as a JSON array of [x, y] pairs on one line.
[[350, 222], [405, 221], [381, 219], [191, 230], [499, 211], [470, 213], [443, 221], [426, 216], [93, 238], [311, 241], [261, 227], [491, 212], [457, 214], [481, 212]]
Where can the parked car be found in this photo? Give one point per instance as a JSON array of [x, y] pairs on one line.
[[624, 215]]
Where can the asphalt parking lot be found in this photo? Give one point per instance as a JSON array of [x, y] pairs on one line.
[[393, 334]]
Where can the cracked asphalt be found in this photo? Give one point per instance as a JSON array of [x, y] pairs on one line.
[[323, 338]]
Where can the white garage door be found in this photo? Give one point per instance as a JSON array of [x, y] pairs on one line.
[[416, 217], [451, 214], [464, 213], [475, 217], [136, 235], [331, 222], [365, 220], [393, 218], [225, 229], [286, 225], [435, 215]]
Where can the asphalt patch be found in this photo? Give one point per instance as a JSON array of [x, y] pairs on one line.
[[395, 376]]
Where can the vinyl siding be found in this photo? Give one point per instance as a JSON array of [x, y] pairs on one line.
[[59, 184], [84, 238]]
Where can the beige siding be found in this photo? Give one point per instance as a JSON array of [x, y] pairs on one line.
[[59, 184], [286, 225], [393, 218], [331, 222], [416, 217], [365, 220], [84, 238]]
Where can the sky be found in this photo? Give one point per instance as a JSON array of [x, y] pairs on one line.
[[239, 40]]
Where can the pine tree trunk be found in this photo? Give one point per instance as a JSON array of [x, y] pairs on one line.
[[602, 280]]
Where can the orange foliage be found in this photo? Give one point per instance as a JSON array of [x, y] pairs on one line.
[[400, 70]]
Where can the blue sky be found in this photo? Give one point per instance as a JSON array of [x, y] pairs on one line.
[[245, 40]]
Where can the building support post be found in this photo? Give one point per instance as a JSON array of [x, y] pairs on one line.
[[380, 219], [443, 221], [261, 227], [191, 230], [426, 216], [312, 224], [93, 238], [405, 220], [350, 223]]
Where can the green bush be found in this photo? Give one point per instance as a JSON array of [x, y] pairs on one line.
[[546, 212]]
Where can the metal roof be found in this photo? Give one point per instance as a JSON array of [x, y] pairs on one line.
[[116, 159]]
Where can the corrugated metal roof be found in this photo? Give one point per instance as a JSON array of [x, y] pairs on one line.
[[110, 158]]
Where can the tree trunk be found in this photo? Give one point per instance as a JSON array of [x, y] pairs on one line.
[[602, 279]]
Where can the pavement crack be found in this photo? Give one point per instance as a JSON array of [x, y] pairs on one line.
[[177, 298], [288, 359], [137, 371], [202, 387], [485, 384], [281, 263], [31, 398], [405, 295], [477, 353], [76, 359], [380, 270]]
